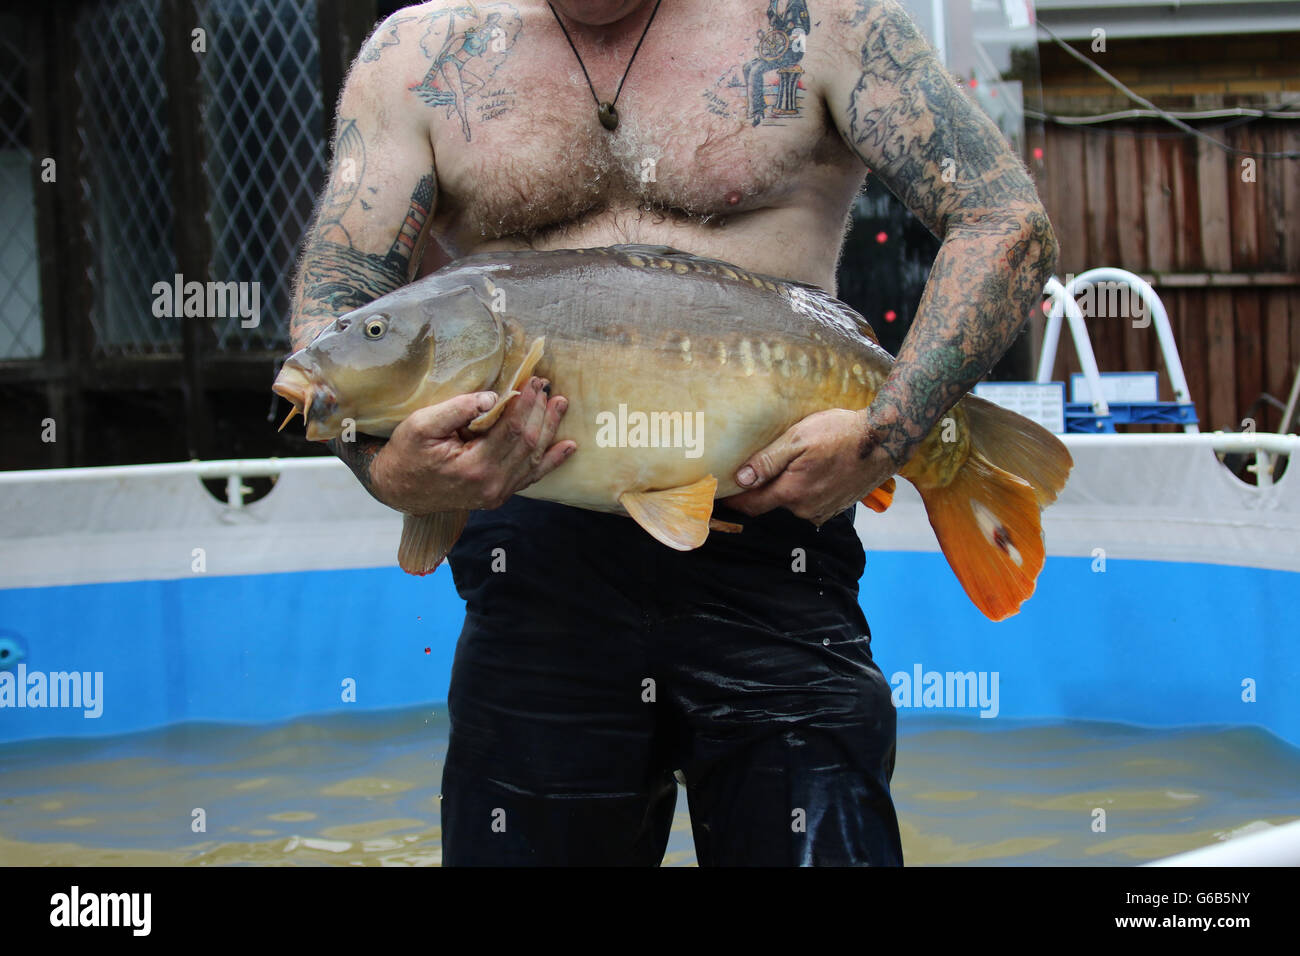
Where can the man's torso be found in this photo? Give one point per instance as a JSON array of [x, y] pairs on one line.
[[521, 160]]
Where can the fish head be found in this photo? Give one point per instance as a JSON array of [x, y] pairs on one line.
[[376, 365]]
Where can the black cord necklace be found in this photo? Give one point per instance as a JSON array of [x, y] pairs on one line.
[[606, 112]]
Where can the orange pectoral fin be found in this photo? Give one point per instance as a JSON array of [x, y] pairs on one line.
[[489, 418], [881, 498], [677, 517]]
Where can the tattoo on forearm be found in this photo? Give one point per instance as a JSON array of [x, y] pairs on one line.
[[950, 165], [970, 314]]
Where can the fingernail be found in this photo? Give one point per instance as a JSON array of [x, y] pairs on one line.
[[486, 400], [570, 450], [746, 476], [561, 405]]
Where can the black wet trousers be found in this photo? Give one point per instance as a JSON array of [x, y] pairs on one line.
[[594, 662]]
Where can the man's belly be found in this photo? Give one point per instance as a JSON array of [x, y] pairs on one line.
[[800, 242]]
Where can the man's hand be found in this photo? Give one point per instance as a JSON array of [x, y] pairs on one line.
[[426, 466], [819, 467]]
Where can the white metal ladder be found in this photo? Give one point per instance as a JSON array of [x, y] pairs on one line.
[[1063, 304]]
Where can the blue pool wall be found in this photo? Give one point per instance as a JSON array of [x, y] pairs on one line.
[[1142, 642]]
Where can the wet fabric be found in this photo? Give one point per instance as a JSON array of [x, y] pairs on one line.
[[594, 662]]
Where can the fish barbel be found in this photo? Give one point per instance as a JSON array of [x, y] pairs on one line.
[[676, 369]]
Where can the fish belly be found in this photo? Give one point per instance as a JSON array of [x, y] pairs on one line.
[[657, 415]]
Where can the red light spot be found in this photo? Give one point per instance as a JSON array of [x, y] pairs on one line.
[[993, 92], [973, 83], [891, 315], [426, 650], [1038, 152], [1047, 306], [882, 237]]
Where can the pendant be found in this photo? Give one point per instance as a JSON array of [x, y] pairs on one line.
[[608, 116]]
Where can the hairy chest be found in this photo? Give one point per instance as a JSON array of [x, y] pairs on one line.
[[720, 113]]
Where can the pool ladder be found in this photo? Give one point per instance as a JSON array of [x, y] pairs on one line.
[[1099, 415]]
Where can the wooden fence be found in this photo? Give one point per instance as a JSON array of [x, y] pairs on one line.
[[1218, 232]]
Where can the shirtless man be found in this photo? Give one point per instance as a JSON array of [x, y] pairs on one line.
[[600, 662]]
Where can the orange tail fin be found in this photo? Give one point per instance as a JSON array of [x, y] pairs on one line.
[[987, 519], [1015, 444]]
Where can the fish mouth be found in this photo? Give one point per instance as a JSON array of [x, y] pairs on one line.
[[311, 399]]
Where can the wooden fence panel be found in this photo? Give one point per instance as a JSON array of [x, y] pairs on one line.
[[1221, 236]]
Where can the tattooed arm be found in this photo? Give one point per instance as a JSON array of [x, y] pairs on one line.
[[897, 108], [903, 114], [371, 221], [367, 239]]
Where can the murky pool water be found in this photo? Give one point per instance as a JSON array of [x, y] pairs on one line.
[[363, 790]]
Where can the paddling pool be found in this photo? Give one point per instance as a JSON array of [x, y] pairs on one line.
[[1162, 640]]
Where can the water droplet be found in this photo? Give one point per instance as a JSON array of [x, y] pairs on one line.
[[826, 641]]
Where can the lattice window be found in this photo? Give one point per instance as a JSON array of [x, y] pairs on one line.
[[126, 174], [265, 129], [21, 333]]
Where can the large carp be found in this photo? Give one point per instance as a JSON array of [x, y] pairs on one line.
[[676, 369]]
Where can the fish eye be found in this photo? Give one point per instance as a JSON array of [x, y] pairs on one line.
[[376, 326]]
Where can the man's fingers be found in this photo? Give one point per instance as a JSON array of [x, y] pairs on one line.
[[446, 418], [757, 502], [555, 409], [767, 464], [555, 456], [536, 420]]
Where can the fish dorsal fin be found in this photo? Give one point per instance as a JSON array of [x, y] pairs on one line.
[[426, 539], [646, 249], [677, 517], [522, 373], [814, 301]]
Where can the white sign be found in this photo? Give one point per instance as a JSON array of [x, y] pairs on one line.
[[1041, 402], [1121, 387]]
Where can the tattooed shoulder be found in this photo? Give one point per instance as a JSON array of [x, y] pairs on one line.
[[466, 47], [384, 36]]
